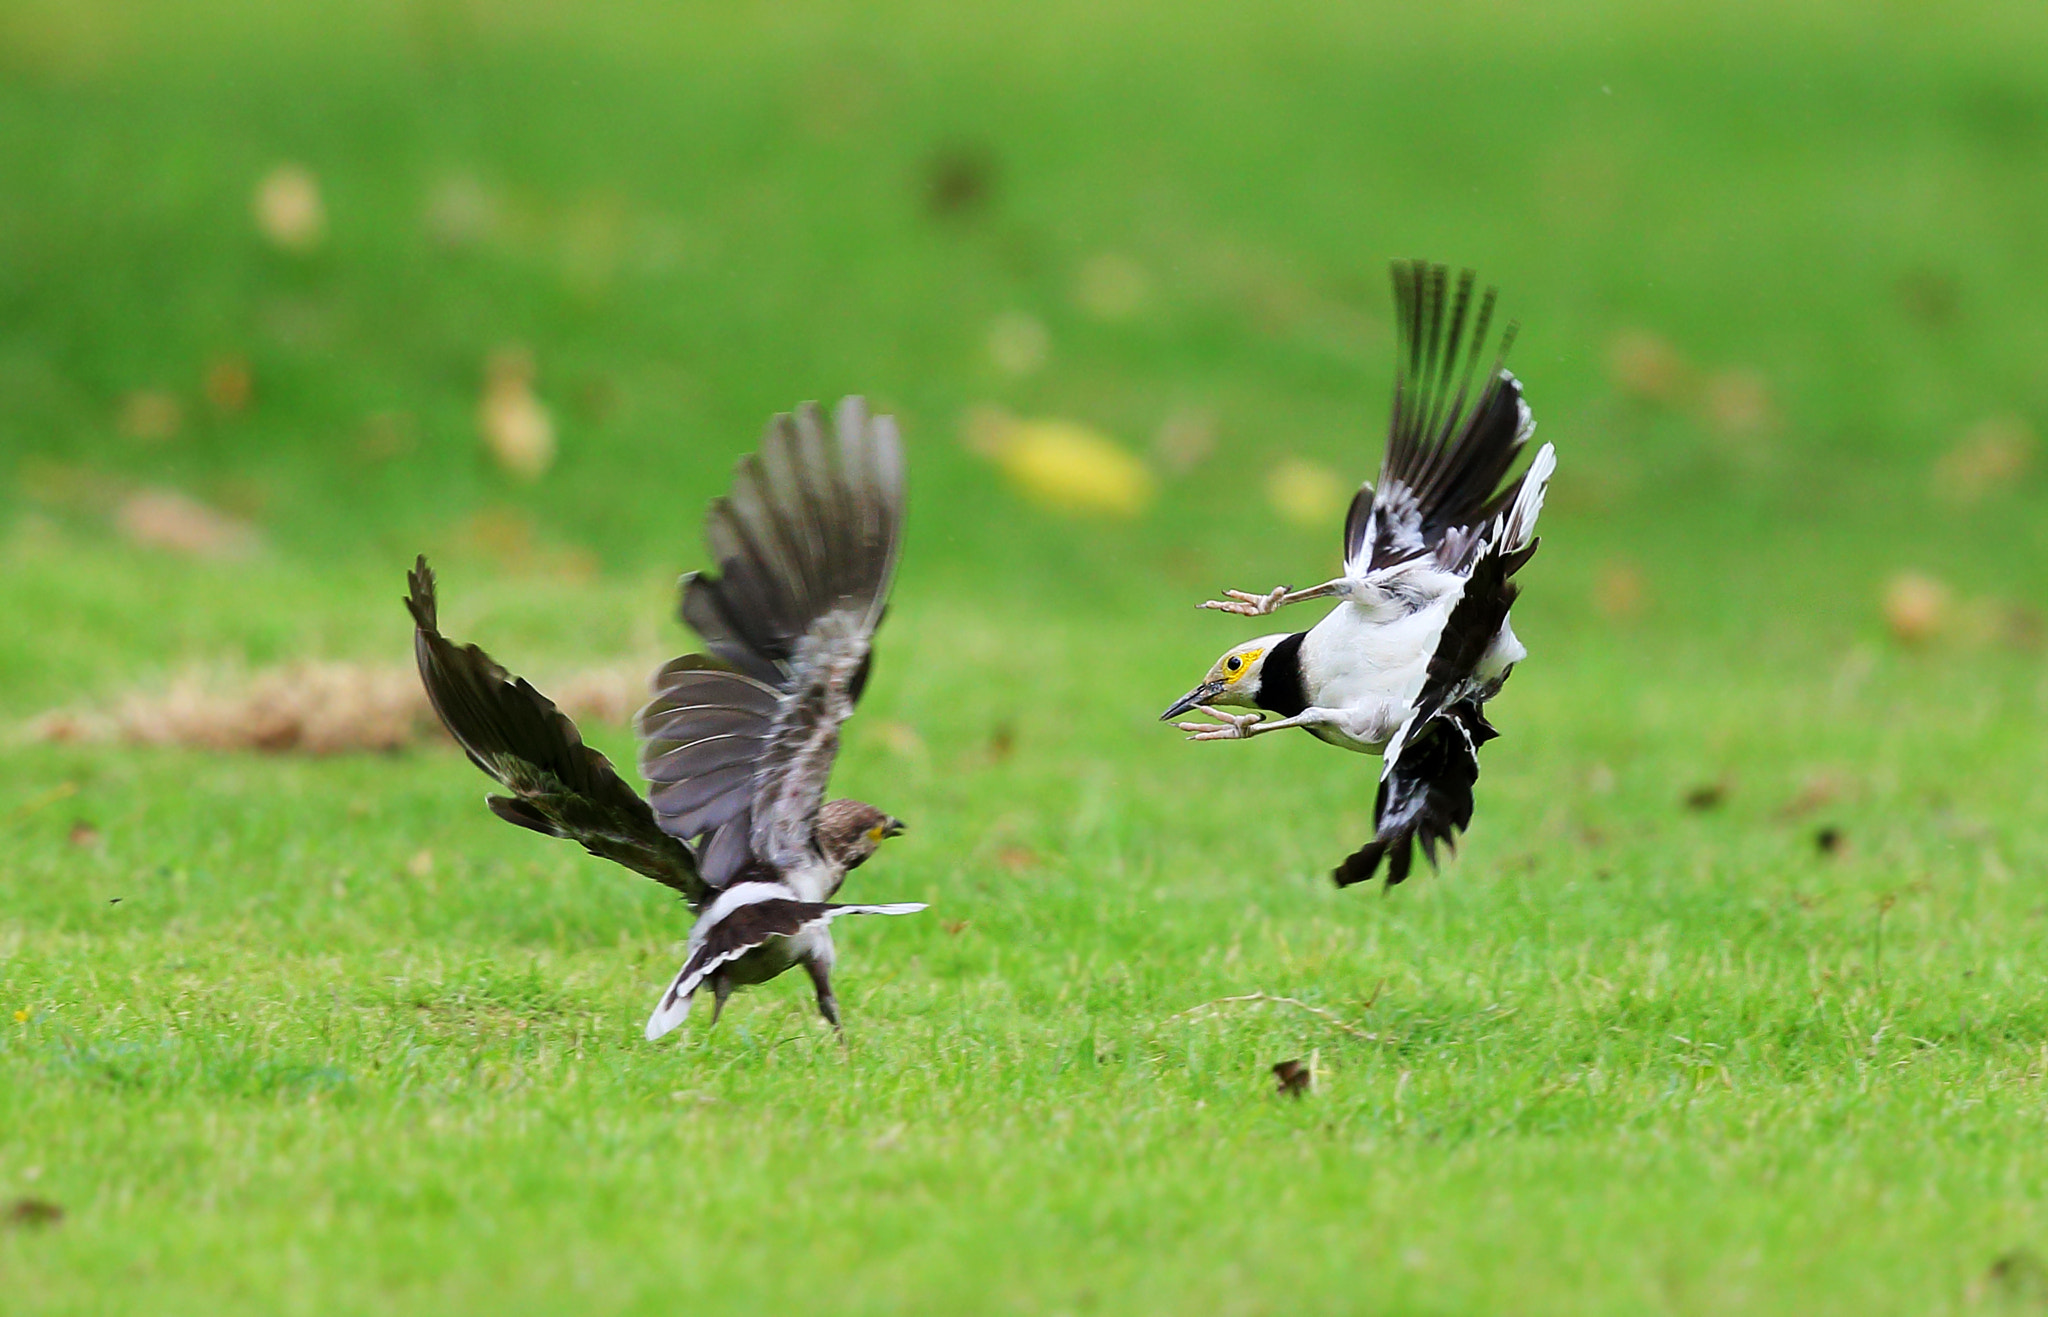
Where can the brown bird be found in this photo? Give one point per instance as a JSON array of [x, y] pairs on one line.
[[737, 744]]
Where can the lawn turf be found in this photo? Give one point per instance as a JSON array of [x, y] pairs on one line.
[[346, 1043]]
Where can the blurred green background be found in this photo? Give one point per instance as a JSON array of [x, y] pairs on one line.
[[290, 292], [1772, 263]]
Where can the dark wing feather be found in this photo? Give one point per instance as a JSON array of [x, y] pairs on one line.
[[1447, 453], [806, 546], [811, 528], [559, 785], [1425, 795], [1426, 789], [701, 741]]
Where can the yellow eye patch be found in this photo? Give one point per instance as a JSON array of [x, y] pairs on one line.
[[1237, 665], [875, 834]]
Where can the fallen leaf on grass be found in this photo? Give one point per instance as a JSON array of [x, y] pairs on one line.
[[958, 181], [83, 834], [2015, 1279], [1645, 365], [1708, 796], [1916, 607], [1619, 590], [288, 208], [230, 384], [515, 425], [1306, 494], [1063, 465], [31, 1213], [1295, 1078], [177, 523]]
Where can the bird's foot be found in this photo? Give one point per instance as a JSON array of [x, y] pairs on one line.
[[1246, 604], [1235, 726]]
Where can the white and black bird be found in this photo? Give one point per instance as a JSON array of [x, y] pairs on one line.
[[737, 744], [1404, 665]]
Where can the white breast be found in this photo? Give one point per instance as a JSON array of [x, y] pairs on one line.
[[1372, 662]]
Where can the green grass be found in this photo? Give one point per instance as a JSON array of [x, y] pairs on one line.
[[304, 1035]]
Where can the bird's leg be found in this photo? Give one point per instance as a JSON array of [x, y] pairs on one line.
[[720, 990], [1244, 726], [1246, 604], [828, 1005], [1235, 726]]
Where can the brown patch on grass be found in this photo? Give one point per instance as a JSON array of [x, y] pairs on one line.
[[305, 708], [177, 523]]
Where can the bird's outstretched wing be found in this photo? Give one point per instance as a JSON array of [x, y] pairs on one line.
[[805, 547], [559, 785], [743, 917], [1447, 453]]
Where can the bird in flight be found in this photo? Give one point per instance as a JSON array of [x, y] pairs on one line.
[[1404, 665], [736, 744]]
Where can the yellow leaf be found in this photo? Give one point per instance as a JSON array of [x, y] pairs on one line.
[[1306, 494], [1068, 466]]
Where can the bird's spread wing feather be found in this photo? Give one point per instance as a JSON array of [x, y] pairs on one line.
[[559, 785], [1447, 452], [743, 917], [805, 546]]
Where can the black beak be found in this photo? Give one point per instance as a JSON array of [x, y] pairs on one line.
[[1201, 694], [892, 827]]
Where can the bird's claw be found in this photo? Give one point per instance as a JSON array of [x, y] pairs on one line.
[[1246, 604], [1235, 726]]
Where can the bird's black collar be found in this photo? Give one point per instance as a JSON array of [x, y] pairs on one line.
[[1281, 688]]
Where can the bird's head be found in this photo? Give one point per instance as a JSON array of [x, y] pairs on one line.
[[1234, 679], [849, 831]]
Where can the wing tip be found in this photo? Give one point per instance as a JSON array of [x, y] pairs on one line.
[[420, 600]]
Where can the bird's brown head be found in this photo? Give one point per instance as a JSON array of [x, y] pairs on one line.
[[849, 831]]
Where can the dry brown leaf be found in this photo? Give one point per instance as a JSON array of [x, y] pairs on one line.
[[288, 208], [177, 523], [1645, 365], [1306, 494], [230, 384], [515, 425], [1916, 607], [1619, 590]]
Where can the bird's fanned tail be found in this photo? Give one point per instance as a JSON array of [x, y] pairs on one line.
[[743, 917], [559, 785]]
